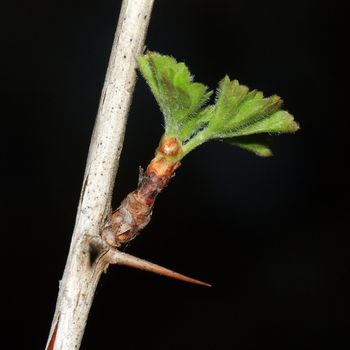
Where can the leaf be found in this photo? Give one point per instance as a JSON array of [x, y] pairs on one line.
[[278, 122], [196, 123], [171, 83], [258, 144], [229, 97], [240, 112], [238, 115]]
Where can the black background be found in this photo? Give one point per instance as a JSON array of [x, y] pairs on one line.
[[270, 234]]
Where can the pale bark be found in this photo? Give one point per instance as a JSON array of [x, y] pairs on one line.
[[88, 256]]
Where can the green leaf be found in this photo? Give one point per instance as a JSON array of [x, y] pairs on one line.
[[238, 115], [258, 144], [278, 122], [171, 83], [196, 123], [229, 97], [240, 112]]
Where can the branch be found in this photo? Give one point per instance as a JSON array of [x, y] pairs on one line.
[[86, 260]]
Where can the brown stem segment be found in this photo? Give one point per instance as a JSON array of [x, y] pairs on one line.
[[135, 211]]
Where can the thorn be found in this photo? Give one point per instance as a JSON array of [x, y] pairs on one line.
[[120, 258]]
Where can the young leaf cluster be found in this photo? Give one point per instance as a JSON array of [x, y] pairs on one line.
[[239, 116]]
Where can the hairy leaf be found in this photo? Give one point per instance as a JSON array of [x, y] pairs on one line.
[[238, 115], [240, 112], [171, 83], [258, 144]]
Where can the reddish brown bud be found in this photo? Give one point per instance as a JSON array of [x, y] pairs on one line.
[[170, 147]]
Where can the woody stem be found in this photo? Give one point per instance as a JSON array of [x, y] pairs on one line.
[[86, 261]]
